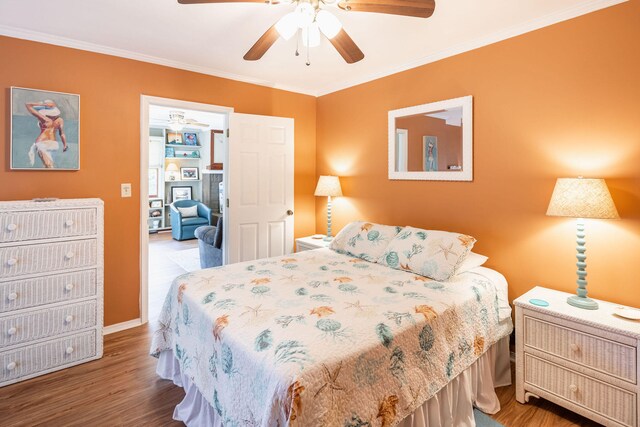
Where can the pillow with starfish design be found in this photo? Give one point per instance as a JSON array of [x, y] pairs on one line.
[[364, 240], [431, 253]]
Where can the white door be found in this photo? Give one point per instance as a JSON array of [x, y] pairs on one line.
[[259, 187]]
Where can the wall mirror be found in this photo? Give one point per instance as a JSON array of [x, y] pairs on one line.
[[432, 142]]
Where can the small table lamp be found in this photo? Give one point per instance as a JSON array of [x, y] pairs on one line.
[[328, 186], [582, 198], [172, 169]]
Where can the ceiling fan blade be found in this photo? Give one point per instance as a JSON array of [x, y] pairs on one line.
[[262, 45], [415, 8], [346, 47], [224, 1], [195, 123]]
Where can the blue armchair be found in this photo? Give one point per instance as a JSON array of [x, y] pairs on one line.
[[183, 228], [210, 243]]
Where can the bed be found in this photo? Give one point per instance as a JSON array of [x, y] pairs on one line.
[[320, 338]]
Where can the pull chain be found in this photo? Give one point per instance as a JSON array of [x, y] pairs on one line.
[[298, 43], [308, 47]]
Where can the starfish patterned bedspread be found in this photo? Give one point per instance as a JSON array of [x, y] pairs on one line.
[[319, 338]]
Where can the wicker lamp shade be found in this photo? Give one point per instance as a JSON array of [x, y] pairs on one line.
[[582, 198]]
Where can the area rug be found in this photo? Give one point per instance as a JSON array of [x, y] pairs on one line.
[[188, 259], [483, 420]]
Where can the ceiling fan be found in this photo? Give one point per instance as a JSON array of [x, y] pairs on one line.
[[311, 19], [177, 121]]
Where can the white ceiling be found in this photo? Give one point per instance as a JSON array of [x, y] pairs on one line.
[[212, 38]]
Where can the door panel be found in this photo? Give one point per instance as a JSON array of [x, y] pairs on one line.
[[260, 187]]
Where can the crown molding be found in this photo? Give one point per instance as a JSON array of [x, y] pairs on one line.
[[35, 36], [531, 25], [516, 30]]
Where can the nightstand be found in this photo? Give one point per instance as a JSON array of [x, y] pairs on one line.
[[309, 243], [584, 360]]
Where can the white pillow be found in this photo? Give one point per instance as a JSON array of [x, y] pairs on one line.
[[430, 253], [364, 240], [472, 260], [188, 212]]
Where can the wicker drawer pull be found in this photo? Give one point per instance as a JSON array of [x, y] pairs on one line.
[[69, 255], [573, 388], [69, 350], [11, 262], [68, 223], [11, 366], [68, 319], [11, 227], [575, 347], [12, 296], [11, 331], [68, 286]]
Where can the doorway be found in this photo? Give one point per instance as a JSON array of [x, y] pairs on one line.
[[182, 160]]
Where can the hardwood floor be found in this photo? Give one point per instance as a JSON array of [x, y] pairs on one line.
[[122, 389]]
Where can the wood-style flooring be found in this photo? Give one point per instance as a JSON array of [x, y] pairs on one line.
[[122, 389]]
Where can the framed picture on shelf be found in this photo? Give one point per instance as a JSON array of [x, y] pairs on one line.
[[189, 174], [189, 154], [191, 138], [153, 182], [169, 152], [180, 193], [45, 130], [155, 204], [174, 137], [155, 213]]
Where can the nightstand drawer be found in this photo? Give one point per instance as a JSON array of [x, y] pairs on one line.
[[601, 354], [600, 398]]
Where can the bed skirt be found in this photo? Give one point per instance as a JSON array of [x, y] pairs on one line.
[[451, 406]]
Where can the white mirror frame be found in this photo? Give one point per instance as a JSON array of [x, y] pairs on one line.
[[466, 174]]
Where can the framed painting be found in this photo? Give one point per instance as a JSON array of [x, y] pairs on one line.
[[180, 193], [191, 138], [430, 153], [189, 174], [174, 137], [217, 147], [45, 130], [154, 187]]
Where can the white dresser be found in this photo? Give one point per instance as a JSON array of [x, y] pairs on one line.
[[51, 286], [309, 243], [584, 360]]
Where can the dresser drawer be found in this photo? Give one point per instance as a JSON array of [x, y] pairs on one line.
[[19, 294], [29, 259], [48, 322], [33, 225], [604, 355], [46, 356], [598, 397]]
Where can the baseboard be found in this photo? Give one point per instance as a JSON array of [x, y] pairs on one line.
[[121, 326]]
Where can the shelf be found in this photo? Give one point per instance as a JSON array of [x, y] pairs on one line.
[[183, 180], [184, 158], [195, 147]]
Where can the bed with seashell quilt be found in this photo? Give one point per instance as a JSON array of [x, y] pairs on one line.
[[353, 335]]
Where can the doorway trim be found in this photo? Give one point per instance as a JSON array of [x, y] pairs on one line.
[[145, 102]]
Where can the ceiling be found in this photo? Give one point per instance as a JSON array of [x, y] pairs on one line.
[[212, 38]]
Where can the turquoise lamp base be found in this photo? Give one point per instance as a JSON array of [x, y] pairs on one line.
[[582, 302], [327, 238]]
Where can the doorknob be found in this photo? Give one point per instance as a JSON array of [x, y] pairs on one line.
[[289, 212]]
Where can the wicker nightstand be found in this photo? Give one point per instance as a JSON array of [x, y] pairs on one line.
[[309, 243], [584, 360]]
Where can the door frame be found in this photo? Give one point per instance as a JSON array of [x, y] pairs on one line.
[[145, 102]]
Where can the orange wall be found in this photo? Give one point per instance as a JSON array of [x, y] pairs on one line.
[[110, 90], [560, 101]]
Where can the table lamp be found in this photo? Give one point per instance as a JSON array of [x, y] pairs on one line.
[[328, 186], [172, 169], [582, 198]]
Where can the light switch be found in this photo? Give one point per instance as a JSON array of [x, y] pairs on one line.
[[125, 190]]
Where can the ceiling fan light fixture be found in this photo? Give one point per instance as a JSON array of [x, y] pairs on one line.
[[329, 24], [311, 35], [305, 14], [287, 26]]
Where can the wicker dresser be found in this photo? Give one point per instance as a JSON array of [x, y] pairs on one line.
[[51, 286], [584, 360]]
